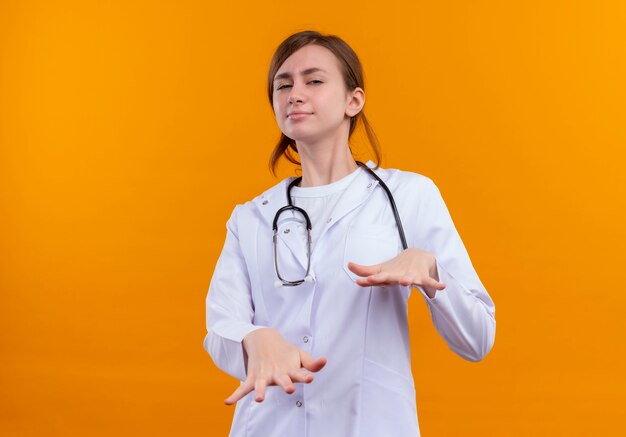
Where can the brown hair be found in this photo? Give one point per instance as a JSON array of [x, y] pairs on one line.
[[352, 75]]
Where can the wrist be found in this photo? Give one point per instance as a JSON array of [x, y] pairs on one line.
[[252, 335]]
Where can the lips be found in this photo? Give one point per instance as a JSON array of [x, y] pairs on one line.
[[297, 115]]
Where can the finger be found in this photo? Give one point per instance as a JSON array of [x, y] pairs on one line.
[[363, 282], [285, 382], [299, 375], [436, 284], [406, 279], [310, 363], [259, 389], [429, 282], [386, 279], [381, 277], [383, 284], [366, 282], [240, 392], [362, 270]]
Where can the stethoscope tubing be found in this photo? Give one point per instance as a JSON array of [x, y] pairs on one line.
[[391, 201], [290, 206]]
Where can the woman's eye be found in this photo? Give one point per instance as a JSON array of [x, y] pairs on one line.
[[285, 85]]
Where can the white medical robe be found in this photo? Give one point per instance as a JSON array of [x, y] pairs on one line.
[[366, 388]]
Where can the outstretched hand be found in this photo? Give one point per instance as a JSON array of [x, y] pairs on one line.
[[272, 360], [411, 267]]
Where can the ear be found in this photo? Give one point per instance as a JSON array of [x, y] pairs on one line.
[[356, 100]]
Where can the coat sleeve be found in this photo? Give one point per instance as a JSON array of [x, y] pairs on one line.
[[463, 313], [229, 306]]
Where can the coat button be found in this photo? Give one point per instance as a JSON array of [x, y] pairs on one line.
[[305, 339], [286, 231], [369, 185], [329, 220], [298, 403], [265, 202]]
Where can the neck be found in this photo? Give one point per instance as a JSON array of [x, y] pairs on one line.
[[323, 164]]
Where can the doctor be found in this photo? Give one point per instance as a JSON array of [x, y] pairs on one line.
[[330, 356]]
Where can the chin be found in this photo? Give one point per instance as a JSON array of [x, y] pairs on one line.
[[301, 136]]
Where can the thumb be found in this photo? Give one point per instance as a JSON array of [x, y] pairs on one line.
[[310, 363]]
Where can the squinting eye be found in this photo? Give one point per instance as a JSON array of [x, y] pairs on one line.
[[283, 86]]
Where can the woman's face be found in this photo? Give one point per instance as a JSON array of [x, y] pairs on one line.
[[310, 82]]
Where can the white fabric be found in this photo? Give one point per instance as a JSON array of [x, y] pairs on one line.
[[366, 388], [319, 202]]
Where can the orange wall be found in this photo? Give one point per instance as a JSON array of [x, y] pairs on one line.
[[128, 131]]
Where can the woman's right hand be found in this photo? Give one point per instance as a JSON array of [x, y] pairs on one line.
[[273, 361]]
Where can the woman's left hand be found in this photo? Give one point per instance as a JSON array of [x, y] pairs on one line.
[[411, 267]]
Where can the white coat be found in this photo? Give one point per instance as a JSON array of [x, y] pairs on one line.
[[366, 388]]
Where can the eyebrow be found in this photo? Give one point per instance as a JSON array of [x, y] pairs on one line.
[[303, 73]]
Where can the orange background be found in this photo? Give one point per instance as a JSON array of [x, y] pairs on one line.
[[130, 129]]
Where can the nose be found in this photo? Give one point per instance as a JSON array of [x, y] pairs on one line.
[[294, 95], [292, 98]]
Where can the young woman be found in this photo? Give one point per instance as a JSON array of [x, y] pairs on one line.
[[307, 305]]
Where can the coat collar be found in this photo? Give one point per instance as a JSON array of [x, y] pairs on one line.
[[359, 189]]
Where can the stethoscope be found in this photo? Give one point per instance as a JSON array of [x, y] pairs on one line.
[[290, 207]]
